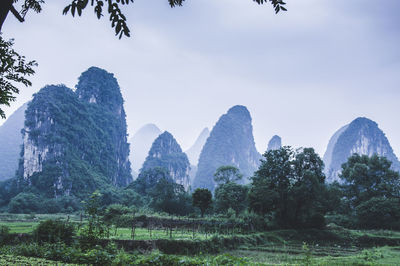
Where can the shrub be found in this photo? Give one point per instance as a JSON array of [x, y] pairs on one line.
[[4, 235], [24, 203], [53, 231]]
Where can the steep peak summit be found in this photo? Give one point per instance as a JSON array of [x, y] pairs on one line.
[[99, 86], [275, 143], [363, 123], [163, 145], [204, 132], [239, 110], [166, 153], [361, 136], [231, 142], [149, 127]]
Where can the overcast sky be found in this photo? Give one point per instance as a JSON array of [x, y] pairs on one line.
[[302, 74]]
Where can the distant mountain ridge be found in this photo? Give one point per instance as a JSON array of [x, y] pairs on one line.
[[275, 143], [140, 145], [231, 142], [193, 152], [362, 136], [10, 142]]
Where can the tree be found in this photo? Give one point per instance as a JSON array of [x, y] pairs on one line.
[[54, 231], [113, 7], [170, 197], [24, 202], [372, 191], [226, 174], [94, 229], [231, 196], [13, 71], [202, 198], [290, 187], [269, 187], [148, 179]]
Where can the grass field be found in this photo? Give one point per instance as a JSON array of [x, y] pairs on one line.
[[314, 256], [20, 227], [284, 247], [27, 227], [144, 234]]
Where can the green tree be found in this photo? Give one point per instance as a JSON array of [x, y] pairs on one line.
[[170, 197], [14, 70], [231, 196], [289, 186], [94, 229], [371, 190], [227, 174], [148, 179], [54, 231], [378, 213], [202, 198], [270, 183], [24, 202]]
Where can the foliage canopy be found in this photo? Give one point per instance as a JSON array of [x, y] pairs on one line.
[[14, 70], [202, 198], [372, 191], [289, 187]]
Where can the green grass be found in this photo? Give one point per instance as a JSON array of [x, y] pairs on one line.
[[144, 234], [121, 233], [27, 261], [375, 256], [20, 227], [280, 247]]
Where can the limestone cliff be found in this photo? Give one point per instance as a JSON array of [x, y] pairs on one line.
[[362, 136], [231, 142], [166, 153], [76, 142]]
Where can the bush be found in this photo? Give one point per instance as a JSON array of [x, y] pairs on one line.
[[4, 235], [24, 203], [252, 221], [378, 213], [344, 220], [53, 231], [62, 252]]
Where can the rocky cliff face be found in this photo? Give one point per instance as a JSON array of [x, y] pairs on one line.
[[231, 142], [141, 143], [193, 152], [361, 136], [10, 143], [75, 142], [166, 153], [275, 143]]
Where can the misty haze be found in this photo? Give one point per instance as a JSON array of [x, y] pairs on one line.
[[207, 132]]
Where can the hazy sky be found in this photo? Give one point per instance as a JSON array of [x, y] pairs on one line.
[[302, 74]]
